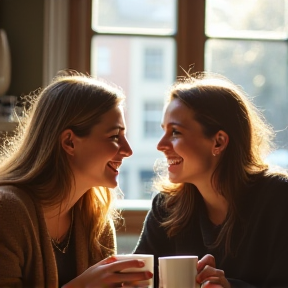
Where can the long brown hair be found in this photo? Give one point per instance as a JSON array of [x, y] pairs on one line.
[[36, 162], [218, 104]]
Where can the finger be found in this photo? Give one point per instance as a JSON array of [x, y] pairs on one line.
[[208, 284], [137, 284], [222, 281], [125, 264], [208, 272], [130, 277], [108, 260], [208, 259]]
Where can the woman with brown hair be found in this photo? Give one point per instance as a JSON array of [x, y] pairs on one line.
[[56, 205], [220, 200]]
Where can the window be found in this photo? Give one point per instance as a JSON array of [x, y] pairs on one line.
[[146, 178], [103, 61], [251, 49], [244, 40], [153, 64], [152, 119], [135, 49]]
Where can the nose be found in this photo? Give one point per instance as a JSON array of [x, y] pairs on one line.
[[125, 149], [163, 144]]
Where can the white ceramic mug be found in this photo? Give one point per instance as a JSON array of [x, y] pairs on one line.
[[148, 260], [178, 271]]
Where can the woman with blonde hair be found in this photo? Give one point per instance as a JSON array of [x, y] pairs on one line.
[[56, 205], [220, 200]]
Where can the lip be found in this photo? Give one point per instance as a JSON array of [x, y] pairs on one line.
[[171, 161], [174, 163], [173, 168], [114, 166]]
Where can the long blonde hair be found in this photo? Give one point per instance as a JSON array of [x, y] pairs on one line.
[[35, 161]]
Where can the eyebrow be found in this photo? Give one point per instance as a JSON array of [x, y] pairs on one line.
[[116, 128], [173, 123]]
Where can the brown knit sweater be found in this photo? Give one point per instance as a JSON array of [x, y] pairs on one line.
[[26, 253]]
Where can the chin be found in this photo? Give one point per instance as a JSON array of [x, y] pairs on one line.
[[174, 180], [112, 184]]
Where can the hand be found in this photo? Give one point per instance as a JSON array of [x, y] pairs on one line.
[[105, 274], [209, 276]]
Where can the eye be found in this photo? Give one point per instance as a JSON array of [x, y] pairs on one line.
[[115, 137], [175, 132]]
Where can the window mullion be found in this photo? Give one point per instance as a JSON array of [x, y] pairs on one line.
[[191, 35]]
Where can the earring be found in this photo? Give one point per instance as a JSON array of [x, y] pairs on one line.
[[214, 154]]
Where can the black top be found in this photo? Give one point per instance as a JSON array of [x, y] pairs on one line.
[[66, 262], [262, 255]]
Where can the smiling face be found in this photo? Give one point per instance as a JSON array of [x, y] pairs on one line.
[[189, 153], [97, 157]]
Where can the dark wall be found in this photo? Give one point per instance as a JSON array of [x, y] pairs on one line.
[[23, 22]]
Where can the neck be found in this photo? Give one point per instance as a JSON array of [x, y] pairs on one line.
[[217, 211], [58, 217], [216, 205], [58, 221]]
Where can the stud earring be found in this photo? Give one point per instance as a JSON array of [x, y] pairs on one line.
[[214, 154]]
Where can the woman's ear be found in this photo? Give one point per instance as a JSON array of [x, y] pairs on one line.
[[221, 140], [66, 138]]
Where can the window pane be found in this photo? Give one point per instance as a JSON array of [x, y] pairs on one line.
[[247, 18], [129, 63], [261, 69], [152, 119], [153, 63], [134, 16], [146, 177]]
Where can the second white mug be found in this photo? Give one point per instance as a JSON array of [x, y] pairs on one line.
[[178, 271]]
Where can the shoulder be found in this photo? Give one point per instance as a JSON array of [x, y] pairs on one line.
[[14, 195], [15, 203], [269, 191], [159, 210], [274, 184]]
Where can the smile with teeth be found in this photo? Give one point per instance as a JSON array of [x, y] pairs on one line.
[[114, 165], [174, 161]]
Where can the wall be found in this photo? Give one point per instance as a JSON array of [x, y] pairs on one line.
[[23, 22]]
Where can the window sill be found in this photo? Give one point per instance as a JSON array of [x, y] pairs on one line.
[[133, 213], [134, 205]]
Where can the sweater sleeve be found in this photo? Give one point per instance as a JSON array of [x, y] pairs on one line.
[[266, 245], [276, 249], [153, 238], [14, 239]]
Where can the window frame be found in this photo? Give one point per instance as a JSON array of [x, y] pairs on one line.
[[190, 14], [190, 43]]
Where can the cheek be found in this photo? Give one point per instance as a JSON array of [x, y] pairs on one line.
[[111, 149], [87, 155], [195, 151]]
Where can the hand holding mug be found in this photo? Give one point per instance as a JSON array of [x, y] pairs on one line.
[[106, 274], [209, 276]]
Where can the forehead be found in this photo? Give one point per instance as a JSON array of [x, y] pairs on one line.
[[112, 118], [177, 110]]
